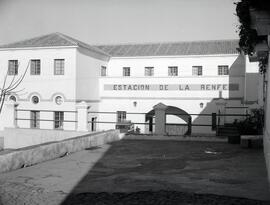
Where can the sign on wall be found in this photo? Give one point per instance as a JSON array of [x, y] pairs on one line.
[[171, 87]]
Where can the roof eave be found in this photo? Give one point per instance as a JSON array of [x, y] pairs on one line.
[[98, 51], [176, 56], [36, 48]]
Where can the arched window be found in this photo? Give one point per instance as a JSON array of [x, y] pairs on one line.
[[13, 98], [35, 99], [58, 100]]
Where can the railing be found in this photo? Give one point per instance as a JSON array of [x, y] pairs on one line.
[[108, 120], [46, 119], [228, 117], [133, 122], [203, 122]]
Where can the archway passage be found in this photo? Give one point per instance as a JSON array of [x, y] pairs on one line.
[[171, 110]]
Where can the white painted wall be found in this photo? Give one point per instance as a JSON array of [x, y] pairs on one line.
[[253, 91], [88, 71], [19, 138], [46, 85], [82, 82], [184, 63], [165, 94], [39, 83], [123, 100]]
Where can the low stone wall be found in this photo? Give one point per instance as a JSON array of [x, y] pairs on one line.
[[1, 142], [176, 129], [15, 138], [198, 138], [32, 155], [251, 141]]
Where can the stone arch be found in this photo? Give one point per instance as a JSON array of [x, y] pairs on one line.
[[171, 110]]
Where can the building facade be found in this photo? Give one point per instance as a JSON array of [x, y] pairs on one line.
[[125, 82]]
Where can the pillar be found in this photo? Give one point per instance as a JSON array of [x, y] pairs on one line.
[[160, 121], [10, 114], [214, 121], [151, 124], [221, 103], [82, 116], [189, 126]]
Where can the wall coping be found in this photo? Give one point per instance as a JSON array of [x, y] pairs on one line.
[[23, 157]]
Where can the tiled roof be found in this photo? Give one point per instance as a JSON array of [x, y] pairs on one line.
[[172, 49], [133, 50], [51, 40]]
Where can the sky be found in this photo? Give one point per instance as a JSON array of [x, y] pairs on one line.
[[119, 21]]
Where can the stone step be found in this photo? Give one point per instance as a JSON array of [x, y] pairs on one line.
[[227, 130], [231, 132]]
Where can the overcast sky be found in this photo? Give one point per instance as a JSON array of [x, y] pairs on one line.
[[119, 21]]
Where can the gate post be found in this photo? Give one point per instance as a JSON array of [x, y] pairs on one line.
[[189, 126], [82, 116], [214, 121], [221, 103], [160, 123]]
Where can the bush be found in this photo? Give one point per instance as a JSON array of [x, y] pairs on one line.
[[253, 124]]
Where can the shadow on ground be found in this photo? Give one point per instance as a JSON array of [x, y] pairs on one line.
[[159, 197], [173, 172]]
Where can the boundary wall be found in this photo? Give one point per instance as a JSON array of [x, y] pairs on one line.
[[36, 154]]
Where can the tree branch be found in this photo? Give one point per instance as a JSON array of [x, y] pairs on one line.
[[18, 81], [7, 90]]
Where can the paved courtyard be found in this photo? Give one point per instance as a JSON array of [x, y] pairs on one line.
[[141, 165]]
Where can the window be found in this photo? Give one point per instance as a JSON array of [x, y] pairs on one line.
[[121, 116], [149, 71], [196, 70], [35, 67], [103, 71], [58, 100], [94, 124], [172, 71], [13, 98], [58, 120], [223, 70], [126, 71], [59, 66], [35, 99], [35, 119], [13, 67]]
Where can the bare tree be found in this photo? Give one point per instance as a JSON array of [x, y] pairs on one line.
[[10, 87]]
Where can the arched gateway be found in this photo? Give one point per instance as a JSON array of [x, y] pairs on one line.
[[160, 112]]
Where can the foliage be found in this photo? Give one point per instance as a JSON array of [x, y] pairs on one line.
[[260, 4], [248, 36], [263, 65], [253, 124]]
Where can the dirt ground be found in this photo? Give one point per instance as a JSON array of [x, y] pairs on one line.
[[144, 172]]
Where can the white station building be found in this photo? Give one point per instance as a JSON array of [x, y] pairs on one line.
[[124, 82]]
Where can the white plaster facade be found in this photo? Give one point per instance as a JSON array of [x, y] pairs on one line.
[[79, 82], [188, 100], [82, 81]]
